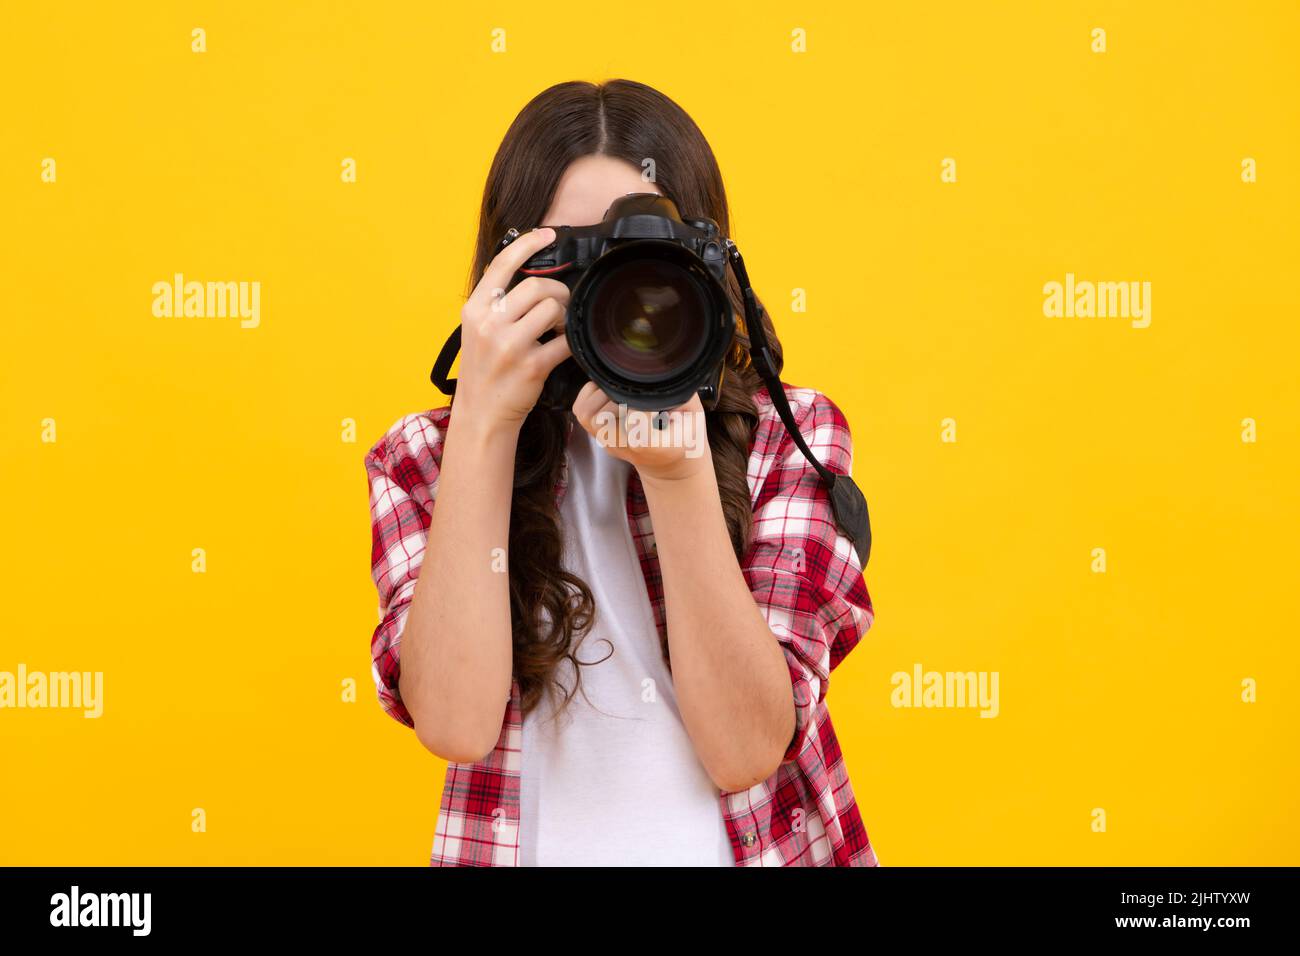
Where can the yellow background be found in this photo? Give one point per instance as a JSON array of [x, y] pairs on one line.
[[1119, 691]]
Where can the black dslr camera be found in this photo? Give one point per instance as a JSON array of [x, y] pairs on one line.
[[649, 319]]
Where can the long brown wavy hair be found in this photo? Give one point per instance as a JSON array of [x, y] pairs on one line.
[[551, 609]]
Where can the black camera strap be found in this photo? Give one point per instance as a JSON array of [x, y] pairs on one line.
[[442, 365], [847, 501]]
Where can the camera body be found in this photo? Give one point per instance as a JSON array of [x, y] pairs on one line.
[[649, 319]]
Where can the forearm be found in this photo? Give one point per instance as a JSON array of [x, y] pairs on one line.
[[456, 646], [729, 671]]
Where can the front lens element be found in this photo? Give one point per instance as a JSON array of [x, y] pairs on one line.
[[649, 319]]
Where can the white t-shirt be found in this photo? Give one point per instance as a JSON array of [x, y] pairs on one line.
[[618, 784]]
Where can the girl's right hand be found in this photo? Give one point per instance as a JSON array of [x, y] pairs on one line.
[[502, 365]]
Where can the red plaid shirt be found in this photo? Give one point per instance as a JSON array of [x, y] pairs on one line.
[[805, 578]]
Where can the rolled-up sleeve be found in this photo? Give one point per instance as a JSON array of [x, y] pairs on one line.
[[402, 469], [802, 570]]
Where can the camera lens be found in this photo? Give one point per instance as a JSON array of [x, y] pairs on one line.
[[649, 320]]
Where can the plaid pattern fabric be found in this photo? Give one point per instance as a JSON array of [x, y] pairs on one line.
[[805, 578]]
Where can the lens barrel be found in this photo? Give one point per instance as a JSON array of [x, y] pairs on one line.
[[649, 324]]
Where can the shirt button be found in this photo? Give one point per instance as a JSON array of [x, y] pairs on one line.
[[749, 839]]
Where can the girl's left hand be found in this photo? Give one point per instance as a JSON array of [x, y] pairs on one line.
[[679, 449]]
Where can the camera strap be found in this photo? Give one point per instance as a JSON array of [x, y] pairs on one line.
[[442, 365], [848, 503]]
